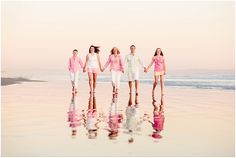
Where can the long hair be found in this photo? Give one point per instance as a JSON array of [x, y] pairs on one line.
[[96, 49], [112, 50], [156, 52]]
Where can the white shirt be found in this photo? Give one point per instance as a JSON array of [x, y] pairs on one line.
[[132, 62], [92, 61]]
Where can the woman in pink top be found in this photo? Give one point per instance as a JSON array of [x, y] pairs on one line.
[[159, 69], [73, 66], [116, 67]]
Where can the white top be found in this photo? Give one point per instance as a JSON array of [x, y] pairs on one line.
[[133, 62], [92, 61]]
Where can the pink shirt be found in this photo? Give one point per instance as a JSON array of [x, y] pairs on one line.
[[158, 122], [74, 63], [116, 63], [159, 63], [114, 122]]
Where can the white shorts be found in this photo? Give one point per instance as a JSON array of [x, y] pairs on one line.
[[115, 77], [74, 77], [132, 76]]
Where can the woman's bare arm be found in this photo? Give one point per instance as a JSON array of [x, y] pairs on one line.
[[86, 63], [150, 64]]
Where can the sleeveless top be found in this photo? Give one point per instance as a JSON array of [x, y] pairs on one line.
[[159, 63], [92, 61]]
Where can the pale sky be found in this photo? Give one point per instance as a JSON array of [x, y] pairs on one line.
[[192, 35]]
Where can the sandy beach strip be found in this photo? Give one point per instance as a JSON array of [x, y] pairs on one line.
[[198, 122]]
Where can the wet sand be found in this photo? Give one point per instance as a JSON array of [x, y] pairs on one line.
[[198, 122]]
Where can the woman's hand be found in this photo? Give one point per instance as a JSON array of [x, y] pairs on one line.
[[84, 70], [145, 69]]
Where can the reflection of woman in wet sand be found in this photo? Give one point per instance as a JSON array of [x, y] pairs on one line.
[[74, 119], [158, 120], [115, 119], [92, 120]]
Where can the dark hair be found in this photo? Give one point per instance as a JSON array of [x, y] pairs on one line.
[[156, 52], [96, 49], [112, 50], [132, 46], [75, 50]]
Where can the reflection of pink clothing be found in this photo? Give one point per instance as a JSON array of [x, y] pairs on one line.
[[73, 118], [159, 63], [74, 63], [158, 122], [92, 113], [114, 122], [116, 63]]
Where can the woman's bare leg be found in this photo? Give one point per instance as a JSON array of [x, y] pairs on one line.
[[162, 84], [90, 75], [94, 81], [154, 85]]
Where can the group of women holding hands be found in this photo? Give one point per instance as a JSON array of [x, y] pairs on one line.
[[131, 65]]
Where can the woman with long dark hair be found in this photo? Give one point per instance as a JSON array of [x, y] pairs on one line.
[[159, 69], [92, 64]]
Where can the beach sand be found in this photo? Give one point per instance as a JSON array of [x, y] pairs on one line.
[[198, 122]]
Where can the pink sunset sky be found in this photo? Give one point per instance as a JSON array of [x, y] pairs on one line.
[[192, 35]]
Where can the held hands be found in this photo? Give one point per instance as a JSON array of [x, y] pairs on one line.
[[145, 69], [84, 70], [102, 69]]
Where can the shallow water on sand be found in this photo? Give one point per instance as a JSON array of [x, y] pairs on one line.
[[46, 119]]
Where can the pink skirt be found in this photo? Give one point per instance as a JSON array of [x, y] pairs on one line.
[[93, 70]]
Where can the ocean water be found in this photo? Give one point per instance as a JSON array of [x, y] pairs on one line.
[[224, 80]]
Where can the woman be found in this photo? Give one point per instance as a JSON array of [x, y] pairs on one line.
[[159, 69], [91, 64], [116, 67]]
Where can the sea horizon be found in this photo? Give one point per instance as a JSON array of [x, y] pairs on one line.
[[200, 79]]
